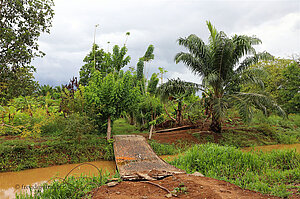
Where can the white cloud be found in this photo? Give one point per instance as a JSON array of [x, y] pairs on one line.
[[161, 23], [280, 37]]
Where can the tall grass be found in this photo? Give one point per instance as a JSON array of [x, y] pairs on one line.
[[121, 126], [271, 173], [284, 130], [19, 154], [168, 149], [71, 187]]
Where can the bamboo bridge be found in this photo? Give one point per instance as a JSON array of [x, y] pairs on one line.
[[136, 160]]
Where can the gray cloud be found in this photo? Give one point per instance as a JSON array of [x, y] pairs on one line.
[[161, 23]]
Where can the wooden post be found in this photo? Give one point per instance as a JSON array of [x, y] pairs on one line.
[[108, 128], [150, 134]]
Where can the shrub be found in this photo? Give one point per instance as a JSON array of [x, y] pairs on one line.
[[77, 126]]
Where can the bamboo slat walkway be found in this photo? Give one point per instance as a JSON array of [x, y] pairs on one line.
[[136, 160]]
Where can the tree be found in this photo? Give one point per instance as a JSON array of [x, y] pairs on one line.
[[153, 83], [176, 90], [119, 58], [289, 92], [162, 71], [148, 109], [14, 84], [112, 95], [147, 58], [140, 70], [282, 82], [140, 75], [21, 23], [106, 62], [219, 63]]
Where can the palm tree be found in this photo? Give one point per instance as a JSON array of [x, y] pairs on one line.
[[149, 56], [218, 63], [44, 89], [176, 90]]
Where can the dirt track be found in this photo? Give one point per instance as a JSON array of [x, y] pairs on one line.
[[197, 188]]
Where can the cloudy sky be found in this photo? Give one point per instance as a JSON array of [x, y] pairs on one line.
[[161, 23]]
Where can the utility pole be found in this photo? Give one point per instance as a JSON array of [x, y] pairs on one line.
[[94, 46]]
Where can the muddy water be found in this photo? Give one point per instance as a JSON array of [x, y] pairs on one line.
[[12, 182], [15, 182], [274, 147]]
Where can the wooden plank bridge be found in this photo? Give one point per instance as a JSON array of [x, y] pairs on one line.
[[136, 160]]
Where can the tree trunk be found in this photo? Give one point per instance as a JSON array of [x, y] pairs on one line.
[[131, 119], [108, 128], [215, 125], [150, 134], [178, 114]]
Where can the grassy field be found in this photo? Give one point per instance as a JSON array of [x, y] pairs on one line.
[[273, 173]]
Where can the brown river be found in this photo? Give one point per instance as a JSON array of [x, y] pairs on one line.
[[15, 182]]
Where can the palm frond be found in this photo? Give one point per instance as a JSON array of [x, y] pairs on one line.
[[253, 76], [260, 101], [194, 63], [195, 45], [213, 31], [177, 88], [253, 60]]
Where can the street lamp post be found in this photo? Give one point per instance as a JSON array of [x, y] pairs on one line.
[[94, 46]]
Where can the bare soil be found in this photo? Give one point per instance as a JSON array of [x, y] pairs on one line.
[[196, 187], [183, 136]]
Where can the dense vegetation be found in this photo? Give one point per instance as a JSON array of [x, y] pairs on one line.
[[89, 107], [22, 154], [42, 125]]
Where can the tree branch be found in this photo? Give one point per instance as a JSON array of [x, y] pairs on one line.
[[169, 114]]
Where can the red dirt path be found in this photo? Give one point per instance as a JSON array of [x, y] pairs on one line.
[[197, 188]]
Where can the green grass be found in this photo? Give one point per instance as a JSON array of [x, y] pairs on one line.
[[270, 173], [167, 149], [71, 187], [19, 154], [261, 131], [122, 127], [246, 137]]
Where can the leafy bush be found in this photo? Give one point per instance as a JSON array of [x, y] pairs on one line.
[[77, 126], [54, 126]]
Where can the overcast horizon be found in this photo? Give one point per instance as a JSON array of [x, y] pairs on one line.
[[160, 23]]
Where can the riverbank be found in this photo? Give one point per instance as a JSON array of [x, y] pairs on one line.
[[19, 153], [26, 153], [276, 173]]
